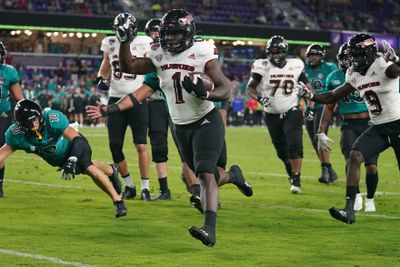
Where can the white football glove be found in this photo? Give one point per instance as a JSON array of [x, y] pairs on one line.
[[323, 142], [263, 100], [303, 91], [125, 26], [388, 52]]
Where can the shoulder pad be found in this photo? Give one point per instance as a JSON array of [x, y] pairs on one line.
[[204, 48]]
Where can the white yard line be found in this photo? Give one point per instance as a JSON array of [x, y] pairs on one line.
[[382, 216], [42, 257], [49, 185]]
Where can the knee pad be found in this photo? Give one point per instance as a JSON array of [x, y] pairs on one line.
[[159, 146], [116, 151], [159, 153]]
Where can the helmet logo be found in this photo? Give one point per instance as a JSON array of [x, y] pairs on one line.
[[367, 42], [185, 20]]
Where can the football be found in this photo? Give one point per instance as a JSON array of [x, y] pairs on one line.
[[207, 81]]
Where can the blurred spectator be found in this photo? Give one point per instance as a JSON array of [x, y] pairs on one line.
[[44, 99]]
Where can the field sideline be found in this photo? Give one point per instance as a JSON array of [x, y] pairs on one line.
[[46, 221]]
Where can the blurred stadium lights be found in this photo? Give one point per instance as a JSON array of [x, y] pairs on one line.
[[95, 32]]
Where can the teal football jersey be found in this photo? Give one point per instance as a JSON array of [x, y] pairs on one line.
[[317, 78], [54, 147], [351, 104], [152, 80], [8, 77]]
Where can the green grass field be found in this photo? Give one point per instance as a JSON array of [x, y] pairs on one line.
[[46, 221]]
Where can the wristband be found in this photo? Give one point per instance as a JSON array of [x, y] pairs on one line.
[[133, 99]]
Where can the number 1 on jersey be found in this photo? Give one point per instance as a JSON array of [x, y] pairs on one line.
[[178, 88]]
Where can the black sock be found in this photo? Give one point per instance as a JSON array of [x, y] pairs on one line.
[[296, 176], [2, 174], [288, 168], [163, 184], [328, 165], [371, 180], [195, 189], [210, 218], [351, 192]]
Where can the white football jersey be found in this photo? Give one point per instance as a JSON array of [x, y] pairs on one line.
[[277, 83], [184, 108], [121, 83], [380, 92]]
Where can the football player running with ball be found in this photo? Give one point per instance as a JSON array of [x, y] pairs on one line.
[[376, 78], [49, 135], [199, 127], [271, 83]]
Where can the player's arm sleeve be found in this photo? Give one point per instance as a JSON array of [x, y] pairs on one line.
[[303, 78], [152, 81], [14, 77], [329, 84]]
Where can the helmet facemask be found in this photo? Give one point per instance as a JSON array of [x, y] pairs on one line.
[[177, 31], [152, 29], [277, 49], [312, 50], [362, 52], [29, 119], [343, 57]]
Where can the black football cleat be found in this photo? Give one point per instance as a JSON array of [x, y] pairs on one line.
[[114, 178], [203, 235], [120, 209], [343, 215], [332, 175], [295, 185], [129, 192], [195, 201], [145, 195], [324, 179], [239, 181], [164, 195]]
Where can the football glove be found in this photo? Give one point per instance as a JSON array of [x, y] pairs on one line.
[[102, 84], [125, 27], [303, 91], [309, 114], [323, 142], [263, 100], [69, 168], [388, 52], [196, 89]]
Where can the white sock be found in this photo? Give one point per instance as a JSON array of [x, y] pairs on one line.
[[145, 184], [128, 181]]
